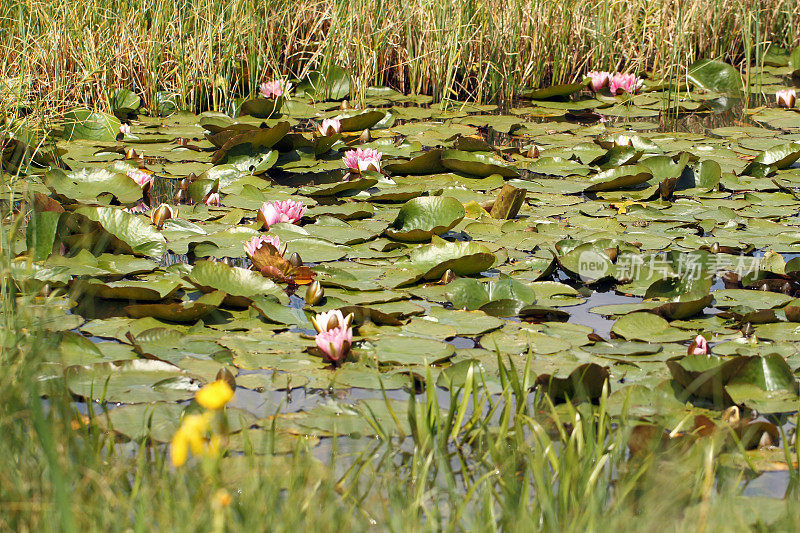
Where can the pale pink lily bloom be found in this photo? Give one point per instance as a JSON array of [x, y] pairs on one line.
[[625, 82], [125, 129], [599, 78], [254, 244], [335, 343], [274, 88], [330, 126], [141, 208], [786, 98], [213, 200], [140, 177], [284, 211], [699, 346], [331, 319], [359, 160]]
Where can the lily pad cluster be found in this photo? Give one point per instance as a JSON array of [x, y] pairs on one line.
[[485, 235]]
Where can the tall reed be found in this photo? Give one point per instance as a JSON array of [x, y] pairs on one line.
[[209, 52]]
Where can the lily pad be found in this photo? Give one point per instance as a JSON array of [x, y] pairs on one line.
[[421, 218]]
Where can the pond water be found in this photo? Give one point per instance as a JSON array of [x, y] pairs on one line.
[[640, 229]]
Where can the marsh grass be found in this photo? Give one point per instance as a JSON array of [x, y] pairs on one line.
[[208, 52]]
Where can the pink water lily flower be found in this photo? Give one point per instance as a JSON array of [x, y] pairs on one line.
[[600, 79], [141, 177], [125, 129], [274, 88], [624, 82], [213, 200], [330, 126], [359, 160], [335, 343], [254, 244], [786, 98], [141, 208], [699, 346], [284, 211]]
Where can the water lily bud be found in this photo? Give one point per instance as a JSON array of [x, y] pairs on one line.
[[612, 253], [365, 136], [180, 196], [225, 375], [330, 126], [296, 260], [731, 415], [212, 200], [184, 183], [765, 441], [714, 248], [699, 346], [786, 98], [131, 154], [161, 214], [191, 177], [448, 276], [344, 105], [533, 152], [314, 293], [331, 320], [747, 330]]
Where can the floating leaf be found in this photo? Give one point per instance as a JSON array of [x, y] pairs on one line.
[[84, 124], [421, 218]]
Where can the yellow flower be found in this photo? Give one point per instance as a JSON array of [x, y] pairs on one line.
[[214, 395], [190, 436], [622, 207], [222, 498]]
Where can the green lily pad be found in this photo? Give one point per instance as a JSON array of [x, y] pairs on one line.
[[421, 218], [135, 381], [360, 120], [717, 76], [184, 311], [463, 258], [477, 164], [560, 90], [86, 185], [84, 124], [141, 237], [619, 178]]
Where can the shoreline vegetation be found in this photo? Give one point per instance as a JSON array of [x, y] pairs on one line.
[[206, 53]]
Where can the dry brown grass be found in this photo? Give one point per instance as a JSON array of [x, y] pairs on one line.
[[206, 51]]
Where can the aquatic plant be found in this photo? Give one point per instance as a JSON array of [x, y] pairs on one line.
[[274, 88], [161, 214], [215, 395], [289, 211], [254, 244], [334, 335], [329, 127], [786, 98], [599, 79], [213, 200], [699, 346], [142, 178], [628, 83], [361, 160]]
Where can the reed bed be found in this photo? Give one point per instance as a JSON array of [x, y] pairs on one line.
[[61, 54]]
